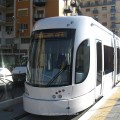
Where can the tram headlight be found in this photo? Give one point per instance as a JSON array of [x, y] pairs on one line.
[[54, 96], [59, 96]]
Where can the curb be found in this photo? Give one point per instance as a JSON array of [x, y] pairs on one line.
[[11, 102]]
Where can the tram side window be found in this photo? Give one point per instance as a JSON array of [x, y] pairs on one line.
[[118, 60], [108, 59], [82, 61]]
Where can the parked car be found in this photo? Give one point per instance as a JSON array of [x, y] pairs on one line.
[[5, 78], [19, 72]]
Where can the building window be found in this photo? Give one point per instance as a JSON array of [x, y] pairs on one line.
[[112, 7], [0, 16], [23, 12], [0, 27], [0, 40], [112, 15], [88, 3], [23, 27], [9, 29], [22, 0], [88, 10], [40, 14], [9, 41], [82, 61], [25, 40], [104, 8], [104, 23], [9, 17]]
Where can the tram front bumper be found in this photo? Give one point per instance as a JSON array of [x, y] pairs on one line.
[[45, 107]]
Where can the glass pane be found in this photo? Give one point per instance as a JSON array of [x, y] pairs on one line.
[[99, 63], [82, 61], [50, 57], [108, 59]]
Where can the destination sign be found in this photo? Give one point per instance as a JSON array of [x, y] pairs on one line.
[[45, 35]]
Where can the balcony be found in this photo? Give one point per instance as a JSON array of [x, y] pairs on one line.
[[113, 26], [2, 3], [105, 2], [9, 19], [95, 11], [9, 5], [112, 18], [97, 3], [112, 2], [68, 10], [2, 19], [6, 46], [113, 10], [39, 3], [87, 4]]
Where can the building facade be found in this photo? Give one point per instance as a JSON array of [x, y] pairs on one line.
[[17, 18], [107, 12], [7, 35]]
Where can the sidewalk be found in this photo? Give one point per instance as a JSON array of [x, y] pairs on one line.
[[108, 108]]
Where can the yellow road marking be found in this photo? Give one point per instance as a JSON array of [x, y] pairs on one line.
[[104, 110]]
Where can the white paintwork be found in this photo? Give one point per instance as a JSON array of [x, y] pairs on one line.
[[19, 70], [76, 97]]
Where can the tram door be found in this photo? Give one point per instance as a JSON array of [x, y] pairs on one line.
[[99, 69], [118, 63]]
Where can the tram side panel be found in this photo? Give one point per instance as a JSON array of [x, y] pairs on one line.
[[106, 37], [84, 88], [117, 57]]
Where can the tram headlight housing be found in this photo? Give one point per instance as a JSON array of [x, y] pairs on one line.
[[54, 96], [59, 96]]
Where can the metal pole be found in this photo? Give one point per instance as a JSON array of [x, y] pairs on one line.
[[19, 30]]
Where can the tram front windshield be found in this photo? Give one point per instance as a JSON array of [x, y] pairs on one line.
[[50, 57]]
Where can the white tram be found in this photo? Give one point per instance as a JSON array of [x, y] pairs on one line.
[[73, 61]]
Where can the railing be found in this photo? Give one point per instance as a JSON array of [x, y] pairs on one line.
[[10, 90], [2, 3], [113, 18], [68, 10], [40, 3], [97, 3], [113, 10], [37, 17], [95, 11], [2, 19], [113, 26]]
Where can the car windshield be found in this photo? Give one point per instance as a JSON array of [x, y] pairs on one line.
[[50, 57]]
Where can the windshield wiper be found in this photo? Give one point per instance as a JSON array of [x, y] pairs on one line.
[[54, 78]]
